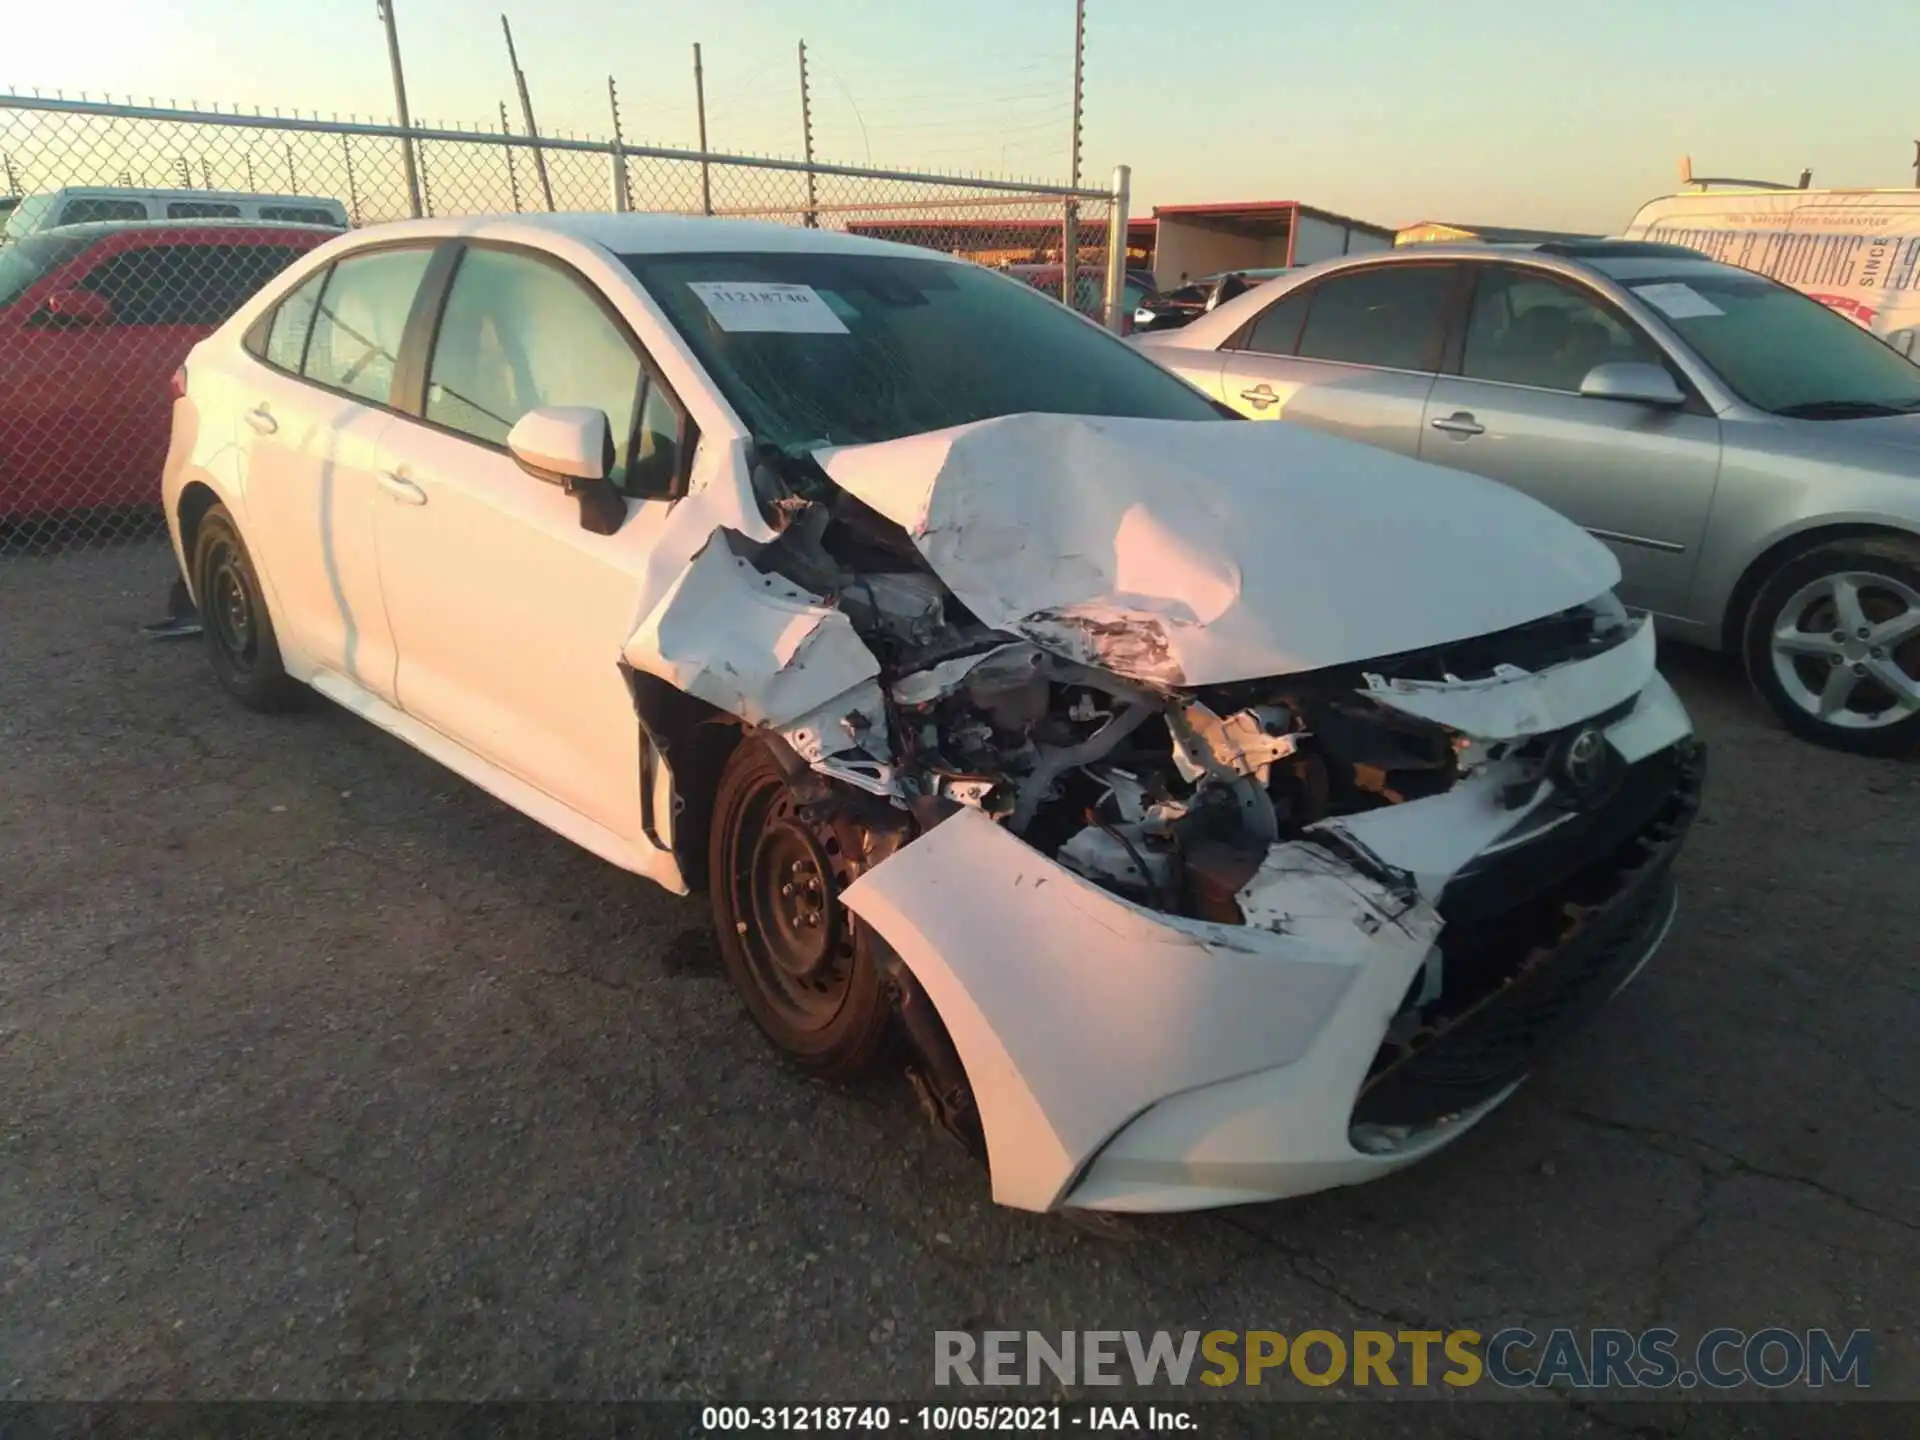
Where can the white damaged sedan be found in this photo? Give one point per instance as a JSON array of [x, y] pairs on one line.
[[1211, 812]]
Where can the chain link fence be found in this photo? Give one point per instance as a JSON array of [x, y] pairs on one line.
[[135, 230]]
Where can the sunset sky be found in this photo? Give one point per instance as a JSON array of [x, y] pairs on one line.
[[1488, 111]]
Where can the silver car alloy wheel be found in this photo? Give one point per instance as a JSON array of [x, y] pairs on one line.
[[1846, 649]]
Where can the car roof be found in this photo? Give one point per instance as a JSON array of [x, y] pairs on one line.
[[95, 229], [654, 234]]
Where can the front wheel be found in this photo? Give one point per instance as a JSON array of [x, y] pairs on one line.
[[1832, 643], [799, 958]]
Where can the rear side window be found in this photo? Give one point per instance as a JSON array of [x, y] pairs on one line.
[[198, 285], [85, 212], [362, 315], [1276, 330], [202, 209], [287, 336], [1390, 316], [300, 215]]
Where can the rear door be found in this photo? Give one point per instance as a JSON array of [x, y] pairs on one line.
[[1639, 477], [314, 411], [1353, 354]]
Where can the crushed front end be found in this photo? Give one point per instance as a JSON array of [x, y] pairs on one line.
[[1166, 934]]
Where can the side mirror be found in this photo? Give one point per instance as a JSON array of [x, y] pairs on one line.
[[80, 307], [572, 446], [1633, 380]]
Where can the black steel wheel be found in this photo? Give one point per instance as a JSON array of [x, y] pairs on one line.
[[798, 957], [240, 638]]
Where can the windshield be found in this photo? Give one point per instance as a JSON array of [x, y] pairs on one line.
[[1778, 350], [874, 347], [25, 261], [26, 216]]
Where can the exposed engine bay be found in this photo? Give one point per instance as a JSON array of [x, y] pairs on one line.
[[1167, 796]]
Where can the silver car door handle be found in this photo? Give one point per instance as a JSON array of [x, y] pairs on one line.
[[1460, 423], [261, 420], [1260, 396], [402, 489]]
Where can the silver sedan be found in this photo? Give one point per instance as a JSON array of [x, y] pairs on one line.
[[1751, 457]]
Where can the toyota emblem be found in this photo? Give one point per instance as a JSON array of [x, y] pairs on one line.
[[1584, 765]]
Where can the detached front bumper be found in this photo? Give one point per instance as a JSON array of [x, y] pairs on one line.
[[1126, 1059]]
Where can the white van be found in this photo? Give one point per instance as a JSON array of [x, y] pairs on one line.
[[1855, 250], [79, 205]]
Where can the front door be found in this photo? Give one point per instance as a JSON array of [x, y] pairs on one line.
[[1638, 477], [510, 618]]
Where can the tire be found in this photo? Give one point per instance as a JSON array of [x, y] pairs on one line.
[[799, 958], [1832, 643], [240, 639]]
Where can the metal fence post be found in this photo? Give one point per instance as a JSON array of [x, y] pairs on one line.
[[1117, 248]]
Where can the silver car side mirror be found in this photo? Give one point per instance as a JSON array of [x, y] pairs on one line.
[[1633, 380]]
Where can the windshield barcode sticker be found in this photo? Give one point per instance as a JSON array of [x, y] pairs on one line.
[[1681, 302], [755, 305]]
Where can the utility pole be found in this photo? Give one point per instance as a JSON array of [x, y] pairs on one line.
[[1916, 166], [622, 196], [13, 183], [806, 134], [526, 109], [513, 176], [206, 174], [700, 111], [293, 179], [400, 106], [1070, 234]]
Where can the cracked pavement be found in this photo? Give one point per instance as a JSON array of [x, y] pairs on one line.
[[324, 1075]]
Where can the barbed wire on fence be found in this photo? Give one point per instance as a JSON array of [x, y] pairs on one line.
[[95, 474]]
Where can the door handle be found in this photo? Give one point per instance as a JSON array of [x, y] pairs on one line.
[[260, 419], [402, 489], [1260, 396], [1460, 423]]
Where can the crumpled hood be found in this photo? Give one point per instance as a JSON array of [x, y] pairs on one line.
[[1196, 553]]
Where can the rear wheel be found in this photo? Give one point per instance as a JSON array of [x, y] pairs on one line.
[[798, 957], [1833, 645], [240, 638]]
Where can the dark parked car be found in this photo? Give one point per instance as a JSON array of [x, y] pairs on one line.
[[94, 321], [1090, 290]]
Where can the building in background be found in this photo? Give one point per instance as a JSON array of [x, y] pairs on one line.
[[1195, 240], [990, 240], [1429, 231]]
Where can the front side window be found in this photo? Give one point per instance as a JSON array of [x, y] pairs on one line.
[[1527, 328], [24, 262], [199, 285], [355, 343], [518, 334], [85, 212], [1775, 348], [818, 348], [1389, 316]]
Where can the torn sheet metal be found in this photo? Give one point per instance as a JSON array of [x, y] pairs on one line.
[[1520, 703], [1007, 942], [759, 647], [1194, 553]]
